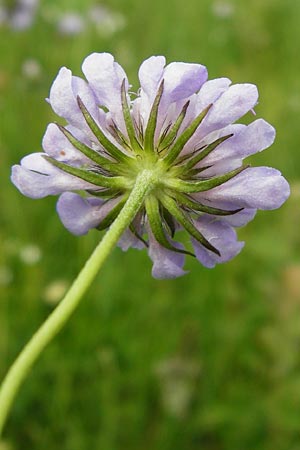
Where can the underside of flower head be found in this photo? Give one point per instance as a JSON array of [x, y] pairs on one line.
[[180, 129]]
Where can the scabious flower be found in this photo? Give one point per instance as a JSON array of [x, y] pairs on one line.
[[180, 126]]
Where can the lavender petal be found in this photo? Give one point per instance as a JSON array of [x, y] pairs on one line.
[[79, 215], [105, 77], [129, 240], [181, 80], [150, 75], [59, 147], [210, 92], [36, 178], [234, 103], [222, 236], [250, 139], [166, 263], [63, 98], [255, 187]]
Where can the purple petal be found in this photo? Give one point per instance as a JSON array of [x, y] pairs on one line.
[[255, 187], [166, 263], [222, 164], [79, 215], [238, 219], [129, 240], [221, 167], [81, 88], [234, 103], [150, 74], [199, 141], [58, 146], [211, 91], [241, 218], [61, 95], [63, 98], [181, 80], [221, 236], [36, 178], [105, 77], [248, 140], [37, 162]]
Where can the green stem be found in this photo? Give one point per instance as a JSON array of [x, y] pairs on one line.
[[63, 311]]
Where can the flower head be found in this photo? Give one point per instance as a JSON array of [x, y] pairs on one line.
[[181, 128]]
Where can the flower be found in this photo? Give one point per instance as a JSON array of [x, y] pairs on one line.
[[23, 14], [71, 24], [179, 125], [107, 22]]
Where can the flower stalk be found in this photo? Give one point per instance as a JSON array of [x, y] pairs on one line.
[[145, 181], [171, 158]]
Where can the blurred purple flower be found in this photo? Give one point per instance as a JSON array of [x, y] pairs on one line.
[[3, 15], [179, 124], [23, 15]]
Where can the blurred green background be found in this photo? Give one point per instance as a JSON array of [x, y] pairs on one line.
[[209, 361]]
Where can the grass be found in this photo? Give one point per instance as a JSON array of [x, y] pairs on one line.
[[209, 361]]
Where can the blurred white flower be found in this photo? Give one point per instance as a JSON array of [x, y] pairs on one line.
[[222, 9], [177, 378], [71, 24], [31, 69], [30, 254], [55, 291], [106, 21], [6, 277], [28, 3], [294, 102]]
